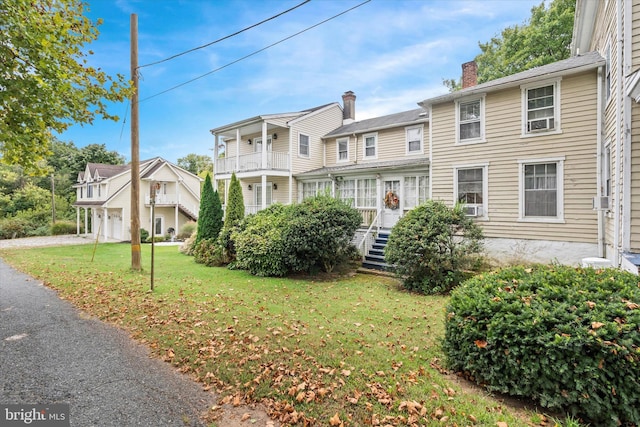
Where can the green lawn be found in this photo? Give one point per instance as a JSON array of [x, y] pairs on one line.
[[355, 348]]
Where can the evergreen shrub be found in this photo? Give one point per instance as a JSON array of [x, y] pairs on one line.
[[431, 245], [566, 337], [63, 227]]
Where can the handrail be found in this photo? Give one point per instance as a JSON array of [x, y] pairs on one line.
[[366, 235]]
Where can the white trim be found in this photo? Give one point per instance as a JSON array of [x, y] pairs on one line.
[[338, 159], [469, 100], [420, 151], [557, 121], [308, 155], [485, 185], [559, 218], [364, 146]]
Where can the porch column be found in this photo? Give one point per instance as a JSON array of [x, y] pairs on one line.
[[215, 159], [264, 191], [177, 207], [238, 143], [264, 147], [77, 220], [105, 217], [86, 221]]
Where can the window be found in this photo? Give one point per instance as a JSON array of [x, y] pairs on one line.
[[366, 193], [157, 229], [540, 108], [607, 73], [370, 146], [414, 140], [303, 141], [541, 189], [314, 188], [606, 172], [258, 144], [343, 149], [469, 118], [258, 194], [347, 191], [89, 190], [471, 189], [416, 190]]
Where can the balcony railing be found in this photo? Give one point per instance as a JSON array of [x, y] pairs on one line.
[[253, 162]]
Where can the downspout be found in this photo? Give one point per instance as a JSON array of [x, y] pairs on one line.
[[356, 144], [617, 202], [626, 158], [263, 161], [215, 163], [600, 162]]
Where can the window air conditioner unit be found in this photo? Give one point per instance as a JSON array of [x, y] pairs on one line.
[[472, 210], [601, 203], [540, 124]]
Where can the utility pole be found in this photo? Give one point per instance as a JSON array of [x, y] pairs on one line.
[[135, 151], [53, 199]]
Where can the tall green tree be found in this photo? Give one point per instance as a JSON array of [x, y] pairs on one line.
[[234, 213], [543, 39], [210, 213], [46, 80]]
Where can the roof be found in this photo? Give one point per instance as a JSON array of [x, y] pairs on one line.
[[418, 115], [573, 65], [363, 167], [104, 170], [264, 117]]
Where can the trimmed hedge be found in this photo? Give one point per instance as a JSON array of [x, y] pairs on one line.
[[566, 337]]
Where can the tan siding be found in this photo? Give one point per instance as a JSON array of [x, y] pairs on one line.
[[504, 147], [635, 179], [635, 35], [315, 126]]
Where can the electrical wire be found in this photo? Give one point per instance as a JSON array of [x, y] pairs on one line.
[[223, 38], [254, 53]]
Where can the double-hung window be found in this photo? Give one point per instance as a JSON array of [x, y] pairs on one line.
[[541, 108], [303, 144], [370, 145], [471, 189], [470, 120], [347, 191], [416, 190], [541, 189], [366, 193], [414, 139], [343, 149]]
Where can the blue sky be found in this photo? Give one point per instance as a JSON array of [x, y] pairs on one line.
[[391, 53]]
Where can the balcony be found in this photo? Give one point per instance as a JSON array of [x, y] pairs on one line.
[[253, 162]]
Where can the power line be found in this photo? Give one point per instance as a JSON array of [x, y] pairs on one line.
[[254, 53], [224, 38]]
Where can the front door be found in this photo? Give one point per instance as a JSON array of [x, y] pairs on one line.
[[391, 209]]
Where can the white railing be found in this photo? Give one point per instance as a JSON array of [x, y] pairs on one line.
[[251, 162], [368, 239]]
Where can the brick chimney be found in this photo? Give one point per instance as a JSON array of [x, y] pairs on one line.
[[349, 108], [469, 74]]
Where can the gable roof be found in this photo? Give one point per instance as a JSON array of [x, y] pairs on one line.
[[253, 124], [101, 170], [573, 65], [405, 118]]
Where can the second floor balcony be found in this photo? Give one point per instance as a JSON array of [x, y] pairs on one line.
[[274, 160]]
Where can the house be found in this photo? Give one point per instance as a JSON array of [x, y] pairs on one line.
[[611, 28], [104, 195], [520, 153], [266, 151]]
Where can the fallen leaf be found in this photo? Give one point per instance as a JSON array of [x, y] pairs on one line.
[[502, 424], [245, 417], [335, 420], [480, 343], [596, 325]]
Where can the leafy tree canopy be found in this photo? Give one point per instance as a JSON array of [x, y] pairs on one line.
[[196, 163], [543, 40], [46, 82]]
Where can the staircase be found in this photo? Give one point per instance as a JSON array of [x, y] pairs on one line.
[[374, 259], [192, 216]]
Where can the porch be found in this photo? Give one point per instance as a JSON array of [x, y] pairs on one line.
[[273, 160]]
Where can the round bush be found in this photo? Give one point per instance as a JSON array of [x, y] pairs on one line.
[[430, 246], [63, 227], [566, 337]]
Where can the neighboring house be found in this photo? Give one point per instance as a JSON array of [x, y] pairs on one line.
[[104, 194], [612, 28], [266, 151], [520, 153]]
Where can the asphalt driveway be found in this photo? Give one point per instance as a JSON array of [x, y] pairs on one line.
[[51, 353]]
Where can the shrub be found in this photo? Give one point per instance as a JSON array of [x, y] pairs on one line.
[[318, 233], [566, 337], [63, 227], [188, 245], [11, 228], [208, 252], [186, 230], [431, 245], [144, 235], [233, 215]]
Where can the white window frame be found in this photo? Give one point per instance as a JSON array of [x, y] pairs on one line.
[[557, 123], [418, 199], [420, 150], [476, 140], [607, 73], [559, 218], [485, 186], [306, 156], [338, 141], [375, 145]]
